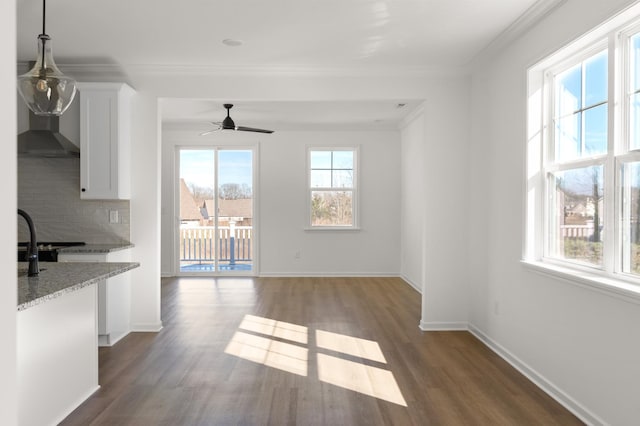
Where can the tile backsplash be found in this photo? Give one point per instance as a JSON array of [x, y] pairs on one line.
[[49, 191]]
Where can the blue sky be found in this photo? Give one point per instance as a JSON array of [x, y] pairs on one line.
[[582, 86], [197, 166]]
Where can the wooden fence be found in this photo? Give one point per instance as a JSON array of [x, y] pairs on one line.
[[577, 231]]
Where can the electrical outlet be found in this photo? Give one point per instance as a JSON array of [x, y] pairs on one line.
[[297, 255], [114, 217], [496, 307]]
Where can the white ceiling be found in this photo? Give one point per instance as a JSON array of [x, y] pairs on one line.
[[280, 34]]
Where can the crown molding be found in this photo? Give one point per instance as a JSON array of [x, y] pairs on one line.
[[255, 70], [293, 70], [522, 24], [416, 113]]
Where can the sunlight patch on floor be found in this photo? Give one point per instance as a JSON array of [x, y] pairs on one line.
[[272, 353], [280, 329], [355, 346], [372, 381]]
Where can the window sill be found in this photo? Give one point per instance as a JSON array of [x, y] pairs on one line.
[[613, 287]]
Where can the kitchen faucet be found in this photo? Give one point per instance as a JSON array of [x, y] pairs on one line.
[[32, 249]]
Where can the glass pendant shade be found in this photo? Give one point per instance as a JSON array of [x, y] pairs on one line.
[[45, 90]]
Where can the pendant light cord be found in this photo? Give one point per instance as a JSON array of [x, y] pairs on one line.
[[44, 14], [44, 33]]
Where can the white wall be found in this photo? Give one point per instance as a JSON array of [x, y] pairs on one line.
[[8, 216], [281, 198], [412, 189], [445, 286], [580, 344], [145, 211], [435, 207]]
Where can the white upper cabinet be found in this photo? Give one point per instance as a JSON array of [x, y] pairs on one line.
[[105, 140]]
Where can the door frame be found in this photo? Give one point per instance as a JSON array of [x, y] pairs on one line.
[[216, 147]]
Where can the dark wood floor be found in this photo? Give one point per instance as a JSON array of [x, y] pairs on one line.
[[306, 351]]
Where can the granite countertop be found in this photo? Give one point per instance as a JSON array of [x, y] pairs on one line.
[[95, 248], [56, 279]]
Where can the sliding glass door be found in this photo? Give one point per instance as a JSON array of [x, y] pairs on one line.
[[216, 211]]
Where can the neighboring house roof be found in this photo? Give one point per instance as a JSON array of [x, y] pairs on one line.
[[188, 207], [207, 209], [578, 209], [236, 208], [242, 207]]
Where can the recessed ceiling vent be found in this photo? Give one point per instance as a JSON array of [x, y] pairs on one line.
[[232, 42]]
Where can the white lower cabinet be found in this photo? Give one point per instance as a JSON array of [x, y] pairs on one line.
[[57, 365], [114, 296]]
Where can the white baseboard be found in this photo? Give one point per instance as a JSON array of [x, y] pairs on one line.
[[417, 287], [111, 338], [552, 390], [146, 327], [327, 274], [76, 404], [443, 326], [303, 274]]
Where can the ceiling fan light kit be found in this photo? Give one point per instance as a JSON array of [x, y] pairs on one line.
[[229, 124], [45, 89]]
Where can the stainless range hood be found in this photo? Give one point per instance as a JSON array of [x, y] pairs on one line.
[[44, 140]]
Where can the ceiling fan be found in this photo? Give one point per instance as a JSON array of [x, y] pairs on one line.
[[228, 124]]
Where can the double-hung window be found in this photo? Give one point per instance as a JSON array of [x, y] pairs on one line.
[[583, 155], [332, 188], [577, 149]]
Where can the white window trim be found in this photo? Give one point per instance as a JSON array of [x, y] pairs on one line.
[[613, 287], [355, 190], [605, 280]]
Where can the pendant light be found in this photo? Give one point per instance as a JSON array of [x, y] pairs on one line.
[[45, 90]]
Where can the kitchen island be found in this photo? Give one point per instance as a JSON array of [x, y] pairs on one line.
[[56, 279], [58, 337], [96, 248]]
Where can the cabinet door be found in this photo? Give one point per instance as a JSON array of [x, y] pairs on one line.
[[114, 296], [104, 141]]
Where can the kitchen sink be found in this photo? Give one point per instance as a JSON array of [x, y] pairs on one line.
[[47, 251]]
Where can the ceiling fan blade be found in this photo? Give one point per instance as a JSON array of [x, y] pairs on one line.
[[209, 132], [217, 128], [252, 129]]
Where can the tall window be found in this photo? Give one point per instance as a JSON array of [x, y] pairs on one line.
[[332, 187], [575, 169], [583, 177], [630, 163]]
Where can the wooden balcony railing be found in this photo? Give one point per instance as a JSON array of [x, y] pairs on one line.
[[234, 244]]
